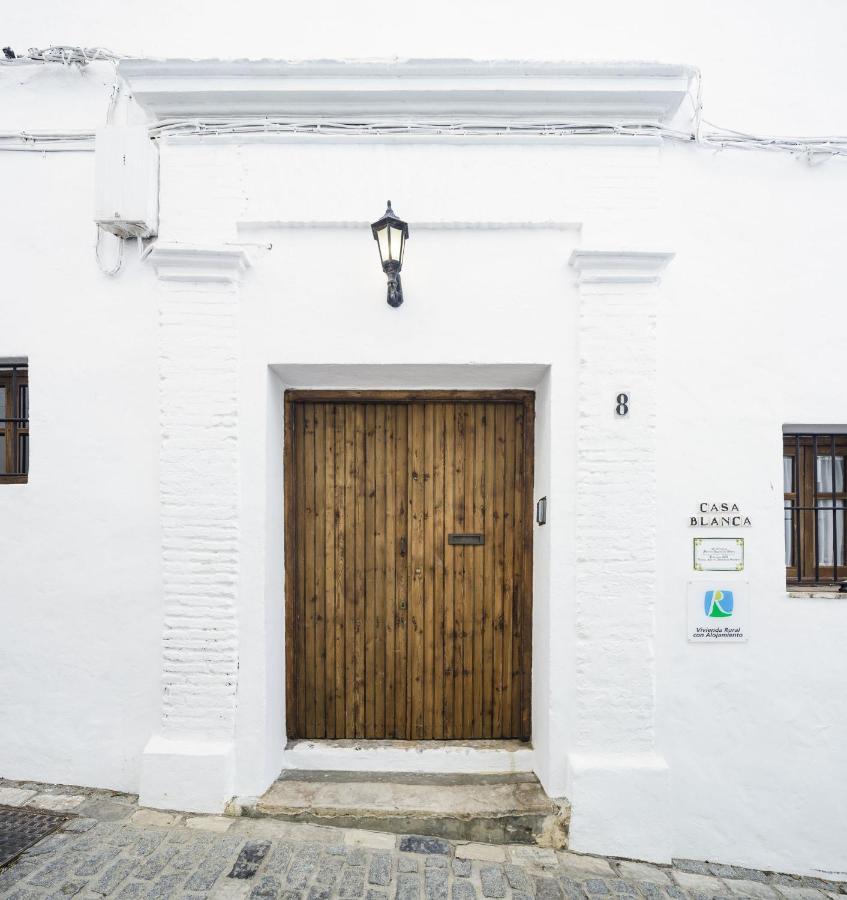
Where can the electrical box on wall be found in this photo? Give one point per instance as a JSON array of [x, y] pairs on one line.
[[126, 181]]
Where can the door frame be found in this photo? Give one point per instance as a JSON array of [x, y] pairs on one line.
[[293, 396]]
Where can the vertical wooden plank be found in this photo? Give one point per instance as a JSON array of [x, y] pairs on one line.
[[329, 566], [520, 490], [439, 539], [469, 581], [448, 709], [331, 517], [391, 557], [349, 569], [319, 424], [299, 633], [359, 595], [459, 661], [299, 588], [479, 569], [429, 572], [340, 531], [527, 532], [370, 625], [498, 515], [401, 634], [289, 484], [302, 662], [417, 673], [380, 588], [509, 499], [489, 552], [309, 559]]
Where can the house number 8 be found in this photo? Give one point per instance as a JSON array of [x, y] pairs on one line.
[[622, 405]]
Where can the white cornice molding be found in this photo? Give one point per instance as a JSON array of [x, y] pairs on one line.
[[620, 266], [201, 264], [437, 91]]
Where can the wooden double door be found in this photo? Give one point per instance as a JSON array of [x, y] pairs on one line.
[[408, 564]]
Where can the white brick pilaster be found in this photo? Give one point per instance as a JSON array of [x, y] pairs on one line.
[[188, 764], [618, 784]]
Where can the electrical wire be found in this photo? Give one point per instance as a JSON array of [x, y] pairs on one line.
[[120, 261], [144, 252], [66, 56], [717, 138], [269, 126], [810, 147], [47, 141], [113, 98]]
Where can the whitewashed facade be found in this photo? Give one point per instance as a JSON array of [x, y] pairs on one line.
[[143, 561]]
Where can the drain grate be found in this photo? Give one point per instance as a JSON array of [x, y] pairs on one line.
[[21, 827]]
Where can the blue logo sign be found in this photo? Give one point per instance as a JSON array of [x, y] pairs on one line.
[[718, 604]]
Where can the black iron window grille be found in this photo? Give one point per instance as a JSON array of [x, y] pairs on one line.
[[815, 485], [14, 421]]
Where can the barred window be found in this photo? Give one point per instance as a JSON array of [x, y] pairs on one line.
[[815, 484], [14, 421]]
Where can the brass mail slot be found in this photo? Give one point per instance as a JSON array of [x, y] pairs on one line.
[[466, 539]]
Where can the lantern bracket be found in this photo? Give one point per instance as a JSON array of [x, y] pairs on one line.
[[395, 287]]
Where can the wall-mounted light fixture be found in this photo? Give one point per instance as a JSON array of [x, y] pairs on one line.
[[541, 511], [390, 233]]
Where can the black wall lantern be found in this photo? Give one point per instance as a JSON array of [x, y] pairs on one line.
[[390, 233]]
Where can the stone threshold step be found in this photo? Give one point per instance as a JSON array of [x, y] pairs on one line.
[[509, 808]]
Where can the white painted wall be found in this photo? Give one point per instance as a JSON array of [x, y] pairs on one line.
[[751, 735], [80, 576], [749, 322]]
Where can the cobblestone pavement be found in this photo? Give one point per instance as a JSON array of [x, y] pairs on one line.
[[111, 848]]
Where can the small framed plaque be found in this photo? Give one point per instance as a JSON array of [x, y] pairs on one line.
[[718, 554]]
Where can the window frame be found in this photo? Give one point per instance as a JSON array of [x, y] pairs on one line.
[[805, 449], [14, 420]]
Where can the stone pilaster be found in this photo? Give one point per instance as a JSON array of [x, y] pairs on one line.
[[618, 783], [188, 764]]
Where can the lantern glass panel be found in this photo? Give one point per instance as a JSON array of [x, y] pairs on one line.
[[396, 243], [382, 240]]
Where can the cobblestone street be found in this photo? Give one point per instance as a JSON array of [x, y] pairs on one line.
[[112, 848]]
